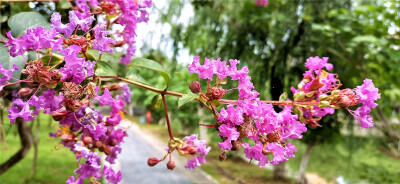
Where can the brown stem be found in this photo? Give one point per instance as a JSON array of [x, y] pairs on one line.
[[285, 103], [26, 142], [166, 117]]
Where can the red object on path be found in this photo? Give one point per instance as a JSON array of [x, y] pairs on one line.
[[148, 117]]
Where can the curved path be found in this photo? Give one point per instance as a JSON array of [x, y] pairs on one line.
[[138, 147]]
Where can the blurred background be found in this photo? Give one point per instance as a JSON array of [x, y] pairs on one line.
[[273, 38]]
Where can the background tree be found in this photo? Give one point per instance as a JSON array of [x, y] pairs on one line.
[[276, 39]]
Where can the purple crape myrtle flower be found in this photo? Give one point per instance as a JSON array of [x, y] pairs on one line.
[[20, 109], [202, 151], [66, 29], [111, 175], [84, 22], [131, 13], [6, 74], [126, 93], [253, 152], [118, 136], [367, 94], [91, 166], [35, 38], [102, 42], [228, 132], [280, 152], [105, 99], [130, 18], [71, 180], [74, 68], [115, 115], [49, 102]]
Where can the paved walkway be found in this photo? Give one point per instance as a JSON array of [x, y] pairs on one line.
[[138, 147]]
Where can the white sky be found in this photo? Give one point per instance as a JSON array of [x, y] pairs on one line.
[[153, 37]]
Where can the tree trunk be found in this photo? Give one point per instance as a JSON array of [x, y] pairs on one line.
[[280, 171], [26, 142], [304, 162], [2, 133]]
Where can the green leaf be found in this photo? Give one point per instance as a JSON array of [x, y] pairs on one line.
[[186, 98], [156, 102], [365, 38], [55, 60], [90, 56], [104, 68], [63, 4], [283, 97], [152, 65], [20, 22], [133, 75], [7, 62], [221, 82]]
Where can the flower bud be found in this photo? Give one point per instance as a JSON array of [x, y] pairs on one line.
[[108, 150], [87, 140], [299, 96], [322, 97], [335, 92], [59, 115], [323, 104], [310, 94], [171, 165], [152, 161], [215, 93], [236, 145], [265, 152], [66, 137], [24, 92], [113, 142], [98, 144], [192, 151], [343, 102], [222, 156], [195, 87]]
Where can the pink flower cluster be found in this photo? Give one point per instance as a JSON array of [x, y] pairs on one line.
[[200, 153], [127, 14], [82, 128], [250, 117], [367, 94]]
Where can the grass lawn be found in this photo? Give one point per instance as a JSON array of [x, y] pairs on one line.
[[356, 159], [53, 166]]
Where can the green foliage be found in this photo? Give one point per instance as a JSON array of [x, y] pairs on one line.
[[20, 22], [152, 65], [186, 98], [104, 68], [55, 61], [7, 62], [354, 158]]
